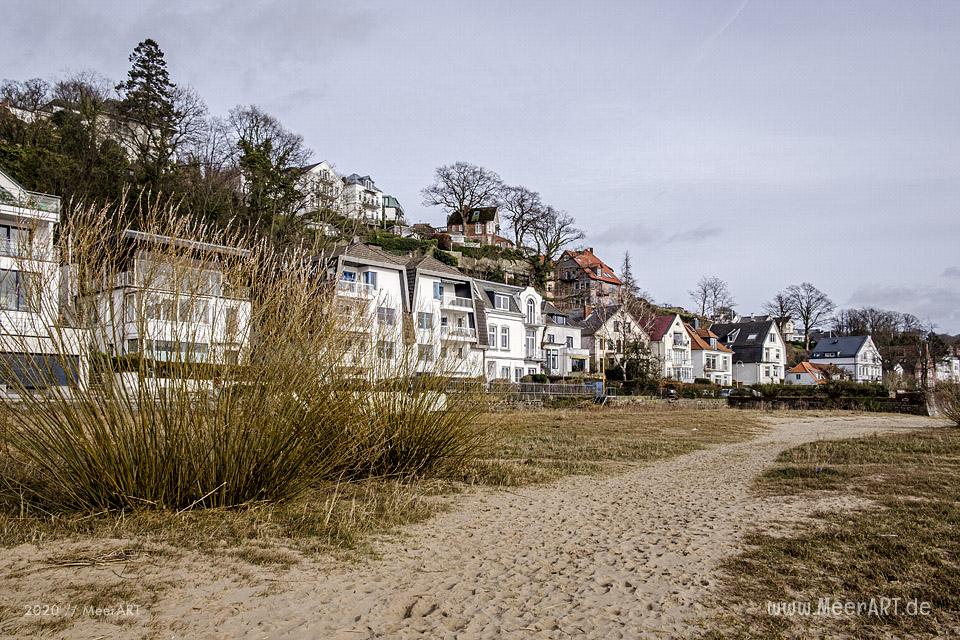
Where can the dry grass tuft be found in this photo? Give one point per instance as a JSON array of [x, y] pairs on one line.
[[905, 547]]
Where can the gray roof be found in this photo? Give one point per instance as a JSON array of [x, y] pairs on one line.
[[486, 290], [367, 253], [737, 336], [592, 323], [432, 265], [843, 347]]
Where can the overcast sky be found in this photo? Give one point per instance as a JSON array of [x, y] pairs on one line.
[[766, 142]]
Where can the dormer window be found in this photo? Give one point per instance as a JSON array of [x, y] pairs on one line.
[[501, 301]]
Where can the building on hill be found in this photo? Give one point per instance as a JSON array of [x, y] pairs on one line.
[[759, 352], [362, 199], [712, 360], [584, 281], [857, 355], [564, 354], [477, 226], [392, 212], [322, 188]]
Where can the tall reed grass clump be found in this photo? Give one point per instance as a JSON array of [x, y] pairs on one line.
[[947, 400], [176, 368]]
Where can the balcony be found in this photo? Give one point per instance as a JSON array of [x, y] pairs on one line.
[[533, 354], [356, 288], [30, 199], [457, 303], [458, 333]]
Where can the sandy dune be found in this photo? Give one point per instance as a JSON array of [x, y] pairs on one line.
[[629, 556]]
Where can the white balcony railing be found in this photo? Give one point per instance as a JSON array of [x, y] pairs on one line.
[[533, 354], [364, 289], [458, 332], [456, 302]]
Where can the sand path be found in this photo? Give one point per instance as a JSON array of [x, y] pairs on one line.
[[632, 555]]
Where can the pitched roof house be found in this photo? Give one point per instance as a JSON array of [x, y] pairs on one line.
[[712, 359], [583, 280], [857, 355], [480, 225], [759, 353], [670, 343], [806, 374]]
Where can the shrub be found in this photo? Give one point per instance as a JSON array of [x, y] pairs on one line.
[[947, 400]]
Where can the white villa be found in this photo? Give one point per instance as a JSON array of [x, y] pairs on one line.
[[759, 353], [670, 344], [362, 200], [564, 354], [322, 187], [512, 322], [36, 349], [857, 355], [712, 360], [606, 332]]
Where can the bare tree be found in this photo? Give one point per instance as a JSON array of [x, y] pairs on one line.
[[779, 306], [29, 95], [810, 306], [462, 186], [711, 295], [522, 211]]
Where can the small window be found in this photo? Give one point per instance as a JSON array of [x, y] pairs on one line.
[[772, 338], [424, 320], [425, 352], [517, 374], [478, 228], [505, 373], [551, 338], [437, 290], [370, 278], [387, 316], [752, 336], [569, 342], [492, 335], [502, 302], [504, 337], [385, 350]]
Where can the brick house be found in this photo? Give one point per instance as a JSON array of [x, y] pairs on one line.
[[584, 281], [479, 225]]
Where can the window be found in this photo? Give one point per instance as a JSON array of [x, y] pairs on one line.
[[387, 316], [531, 311], [14, 286], [752, 336], [504, 337], [14, 241], [232, 321], [551, 338], [385, 350], [492, 335], [531, 371], [553, 359], [560, 320], [348, 276], [677, 337], [425, 352], [616, 325], [501, 301], [766, 371], [505, 373], [578, 365], [517, 374], [424, 320], [797, 376], [531, 342], [437, 290], [478, 228], [772, 338], [370, 278], [490, 228], [569, 342]]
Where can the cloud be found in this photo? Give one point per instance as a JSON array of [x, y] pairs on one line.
[[939, 304], [645, 235], [951, 272]]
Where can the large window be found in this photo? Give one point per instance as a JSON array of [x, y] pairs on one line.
[[531, 311], [424, 320], [492, 335], [14, 288], [15, 241], [504, 337], [387, 316]]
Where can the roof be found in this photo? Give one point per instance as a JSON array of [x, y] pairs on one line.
[[746, 339], [661, 324], [700, 340], [356, 178], [477, 214], [811, 369], [843, 347], [596, 319], [391, 201], [431, 264], [589, 262], [486, 291], [183, 243], [367, 253]]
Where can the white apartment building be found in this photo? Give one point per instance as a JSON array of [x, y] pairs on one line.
[[857, 355], [445, 318], [371, 287], [512, 319], [948, 369], [564, 354], [712, 360], [322, 187], [759, 353], [170, 300], [36, 349], [362, 200], [670, 344]]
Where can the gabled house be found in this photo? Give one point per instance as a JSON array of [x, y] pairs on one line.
[[447, 320], [806, 374], [392, 213], [712, 360], [786, 325], [480, 226], [759, 353], [607, 333], [513, 323], [562, 344], [322, 188], [857, 355], [670, 344], [362, 200], [584, 281], [31, 285]]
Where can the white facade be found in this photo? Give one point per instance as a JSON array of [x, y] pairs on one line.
[[31, 329], [759, 352], [514, 324], [670, 344], [948, 370], [804, 374], [563, 350], [711, 360], [362, 200], [863, 365], [607, 332], [322, 187]]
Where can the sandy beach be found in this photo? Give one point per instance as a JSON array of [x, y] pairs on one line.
[[624, 556]]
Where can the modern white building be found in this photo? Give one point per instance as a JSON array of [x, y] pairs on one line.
[[445, 318], [371, 287], [564, 354], [392, 213], [857, 355], [171, 299], [759, 353], [712, 360], [37, 349], [512, 320], [671, 345]]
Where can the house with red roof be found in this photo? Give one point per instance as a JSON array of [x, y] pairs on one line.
[[670, 343], [806, 373], [712, 360], [584, 281]]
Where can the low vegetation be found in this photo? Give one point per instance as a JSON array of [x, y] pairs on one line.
[[947, 400], [903, 544]]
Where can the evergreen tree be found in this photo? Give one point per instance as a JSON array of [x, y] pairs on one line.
[[149, 116]]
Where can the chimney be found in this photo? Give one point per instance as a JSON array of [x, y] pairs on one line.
[[696, 322], [589, 249]]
